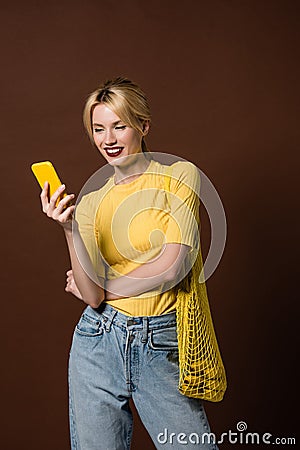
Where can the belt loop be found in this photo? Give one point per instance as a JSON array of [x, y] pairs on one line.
[[108, 320], [145, 330]]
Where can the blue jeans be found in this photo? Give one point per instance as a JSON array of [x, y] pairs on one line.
[[114, 358]]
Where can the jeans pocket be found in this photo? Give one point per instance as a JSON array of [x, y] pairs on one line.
[[163, 339], [89, 326]]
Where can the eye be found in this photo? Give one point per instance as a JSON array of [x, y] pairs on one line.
[[98, 130], [120, 127]]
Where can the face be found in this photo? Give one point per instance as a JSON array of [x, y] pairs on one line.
[[113, 138]]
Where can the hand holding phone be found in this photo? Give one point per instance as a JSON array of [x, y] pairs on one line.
[[55, 201], [44, 171]]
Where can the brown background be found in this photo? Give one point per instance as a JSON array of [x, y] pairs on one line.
[[221, 78]]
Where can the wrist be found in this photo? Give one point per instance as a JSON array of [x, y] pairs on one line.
[[71, 227], [68, 232]]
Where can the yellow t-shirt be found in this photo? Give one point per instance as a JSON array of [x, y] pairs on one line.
[[126, 225]]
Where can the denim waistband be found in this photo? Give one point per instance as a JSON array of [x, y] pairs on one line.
[[112, 315]]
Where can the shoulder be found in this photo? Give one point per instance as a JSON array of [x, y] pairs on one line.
[[88, 203], [185, 172], [185, 168], [181, 169]]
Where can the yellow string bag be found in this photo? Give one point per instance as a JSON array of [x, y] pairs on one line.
[[201, 370]]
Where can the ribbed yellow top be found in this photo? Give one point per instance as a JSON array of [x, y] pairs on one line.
[[125, 225]]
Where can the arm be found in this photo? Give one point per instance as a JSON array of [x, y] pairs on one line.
[[162, 269], [182, 236], [91, 293]]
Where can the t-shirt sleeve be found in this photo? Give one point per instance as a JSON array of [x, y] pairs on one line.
[[85, 217], [184, 202]]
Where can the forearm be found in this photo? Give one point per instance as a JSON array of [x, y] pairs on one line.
[[149, 275], [91, 292], [130, 285]]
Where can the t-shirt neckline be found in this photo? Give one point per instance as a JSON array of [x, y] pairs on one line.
[[136, 180]]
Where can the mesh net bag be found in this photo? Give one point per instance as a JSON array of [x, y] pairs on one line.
[[202, 373], [201, 370]]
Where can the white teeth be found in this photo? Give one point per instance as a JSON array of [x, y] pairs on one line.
[[113, 150]]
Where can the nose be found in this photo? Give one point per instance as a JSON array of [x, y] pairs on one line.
[[110, 137]]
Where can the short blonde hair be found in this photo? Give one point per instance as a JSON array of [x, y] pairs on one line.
[[124, 98]]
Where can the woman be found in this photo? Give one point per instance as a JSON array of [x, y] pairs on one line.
[[130, 246]]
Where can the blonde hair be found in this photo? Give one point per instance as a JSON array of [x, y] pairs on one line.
[[124, 98]]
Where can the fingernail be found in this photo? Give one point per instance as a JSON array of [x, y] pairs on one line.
[[62, 186]]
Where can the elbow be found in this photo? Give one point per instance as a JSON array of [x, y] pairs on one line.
[[93, 301], [92, 295], [94, 304]]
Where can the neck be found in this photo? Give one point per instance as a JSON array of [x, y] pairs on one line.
[[134, 166]]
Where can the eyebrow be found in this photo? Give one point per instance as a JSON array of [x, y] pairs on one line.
[[100, 124]]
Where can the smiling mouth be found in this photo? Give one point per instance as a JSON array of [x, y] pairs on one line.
[[114, 151]]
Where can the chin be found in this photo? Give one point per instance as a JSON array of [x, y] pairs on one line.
[[118, 161], [124, 160]]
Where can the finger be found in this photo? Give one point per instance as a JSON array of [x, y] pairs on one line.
[[69, 272], [44, 196], [66, 216], [61, 207], [55, 197], [64, 201], [45, 188], [69, 288]]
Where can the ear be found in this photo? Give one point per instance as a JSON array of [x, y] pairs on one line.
[[146, 127]]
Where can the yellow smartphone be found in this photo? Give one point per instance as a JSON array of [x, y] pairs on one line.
[[44, 171]]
